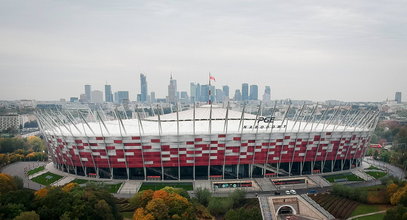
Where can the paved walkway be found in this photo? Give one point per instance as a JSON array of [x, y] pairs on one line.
[[63, 181], [368, 214], [265, 184], [265, 208], [130, 187], [319, 180], [363, 175], [393, 170], [18, 168]]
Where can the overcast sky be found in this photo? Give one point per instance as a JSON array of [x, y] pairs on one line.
[[345, 50]]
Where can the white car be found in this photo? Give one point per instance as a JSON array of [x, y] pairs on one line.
[[293, 192], [287, 192]]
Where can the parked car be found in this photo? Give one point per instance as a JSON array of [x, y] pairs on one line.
[[277, 193], [287, 192], [293, 192], [312, 191]]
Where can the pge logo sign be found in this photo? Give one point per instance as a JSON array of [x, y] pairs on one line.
[[265, 119]]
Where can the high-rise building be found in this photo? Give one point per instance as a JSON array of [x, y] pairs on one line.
[[226, 91], [397, 97], [204, 93], [152, 97], [245, 92], [88, 93], [143, 88], [73, 99], [9, 121], [238, 95], [192, 91], [254, 92], [219, 95], [198, 92], [108, 93], [267, 94], [121, 97], [172, 91], [97, 96]]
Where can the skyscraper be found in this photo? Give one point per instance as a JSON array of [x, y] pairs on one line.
[[397, 97], [226, 91], [192, 91], [108, 93], [238, 95], [121, 97], [254, 92], [219, 95], [97, 96], [245, 92], [267, 94], [172, 91], [204, 93], [143, 88], [152, 97], [88, 93]]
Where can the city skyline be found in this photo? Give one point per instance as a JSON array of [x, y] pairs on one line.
[[348, 51]]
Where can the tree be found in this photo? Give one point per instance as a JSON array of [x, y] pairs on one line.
[[141, 198], [243, 214], [218, 206], [398, 212], [238, 197], [140, 214], [103, 210], [32, 215], [7, 183], [203, 196], [158, 208]]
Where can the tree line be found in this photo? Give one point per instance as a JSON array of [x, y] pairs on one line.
[[22, 149]]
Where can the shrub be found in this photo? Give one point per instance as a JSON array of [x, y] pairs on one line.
[[242, 213], [203, 196], [218, 206], [238, 197]]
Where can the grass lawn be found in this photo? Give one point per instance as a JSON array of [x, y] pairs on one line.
[[112, 188], [127, 215], [343, 176], [379, 216], [81, 181], [365, 208], [46, 178], [157, 186], [376, 174], [36, 170]]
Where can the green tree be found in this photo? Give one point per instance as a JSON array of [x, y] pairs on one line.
[[219, 206], [103, 210], [203, 196], [32, 215], [243, 214], [238, 197]]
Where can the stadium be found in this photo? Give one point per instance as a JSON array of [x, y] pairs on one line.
[[208, 142]]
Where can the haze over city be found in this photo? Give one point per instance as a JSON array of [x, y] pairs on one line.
[[350, 51]]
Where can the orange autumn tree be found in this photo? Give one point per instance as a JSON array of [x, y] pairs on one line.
[[7, 183], [69, 186], [41, 193], [163, 204]]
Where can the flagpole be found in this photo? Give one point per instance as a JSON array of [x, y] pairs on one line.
[[209, 90]]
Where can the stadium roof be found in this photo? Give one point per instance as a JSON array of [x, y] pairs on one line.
[[205, 122]]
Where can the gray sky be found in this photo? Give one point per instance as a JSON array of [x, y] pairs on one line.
[[345, 50]]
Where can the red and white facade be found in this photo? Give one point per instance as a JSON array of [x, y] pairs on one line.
[[208, 142]]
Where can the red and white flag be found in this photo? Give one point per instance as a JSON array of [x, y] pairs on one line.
[[212, 78]]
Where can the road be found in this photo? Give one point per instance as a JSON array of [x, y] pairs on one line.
[[17, 169], [393, 170]]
